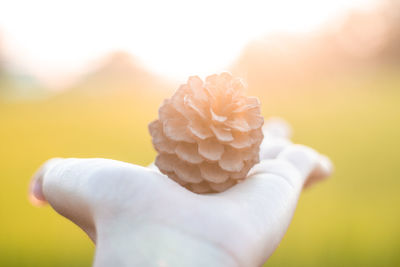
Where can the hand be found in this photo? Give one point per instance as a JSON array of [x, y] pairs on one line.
[[139, 217]]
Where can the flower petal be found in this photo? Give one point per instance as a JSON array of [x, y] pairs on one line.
[[196, 84], [225, 76], [196, 107], [212, 79], [174, 124], [188, 152], [252, 100], [217, 118], [223, 134], [167, 110], [231, 160], [257, 136], [251, 103], [160, 141], [220, 187], [187, 172], [241, 140], [199, 129], [213, 173], [177, 130], [166, 162], [238, 123], [201, 188], [177, 100], [242, 174], [254, 121], [211, 149], [238, 85], [250, 153], [175, 178]]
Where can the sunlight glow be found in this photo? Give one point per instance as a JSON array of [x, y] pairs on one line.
[[58, 39]]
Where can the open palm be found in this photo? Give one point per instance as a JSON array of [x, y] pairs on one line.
[[139, 217]]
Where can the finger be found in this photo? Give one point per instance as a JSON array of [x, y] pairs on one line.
[[269, 197], [36, 195], [276, 127], [312, 166], [276, 138], [321, 172], [270, 148], [57, 182]]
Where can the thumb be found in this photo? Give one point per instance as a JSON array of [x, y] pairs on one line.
[[79, 189], [59, 183]]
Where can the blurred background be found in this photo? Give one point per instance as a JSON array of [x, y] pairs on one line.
[[84, 78]]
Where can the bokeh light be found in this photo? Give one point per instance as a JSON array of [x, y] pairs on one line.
[[330, 68], [57, 40]]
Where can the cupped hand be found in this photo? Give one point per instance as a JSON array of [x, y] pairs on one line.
[[139, 217]]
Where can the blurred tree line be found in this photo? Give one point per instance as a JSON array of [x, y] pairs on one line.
[[391, 49], [15, 83], [362, 40], [4, 77], [2, 63]]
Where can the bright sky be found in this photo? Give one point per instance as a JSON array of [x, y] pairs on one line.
[[58, 39]]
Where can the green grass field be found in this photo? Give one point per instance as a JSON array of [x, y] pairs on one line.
[[352, 219]]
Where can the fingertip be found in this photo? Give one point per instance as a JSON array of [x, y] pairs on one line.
[[276, 138], [270, 149], [276, 127], [326, 165], [279, 168], [301, 157], [322, 171], [36, 196]]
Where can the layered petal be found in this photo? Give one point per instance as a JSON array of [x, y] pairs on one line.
[[176, 129], [188, 152], [231, 160], [166, 162], [177, 100], [196, 84], [200, 129], [238, 123], [213, 173], [222, 133], [187, 172], [161, 143], [208, 134], [175, 177], [198, 108], [257, 136], [217, 118], [241, 140], [220, 187], [242, 174], [255, 121], [211, 149], [201, 188]]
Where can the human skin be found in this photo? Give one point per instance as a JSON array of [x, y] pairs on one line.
[[137, 216]]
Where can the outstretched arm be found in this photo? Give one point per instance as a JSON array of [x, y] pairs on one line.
[[139, 217]]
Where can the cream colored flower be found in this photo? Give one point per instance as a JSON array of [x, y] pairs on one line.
[[208, 134]]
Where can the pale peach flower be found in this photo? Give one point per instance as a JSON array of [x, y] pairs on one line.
[[208, 134]]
